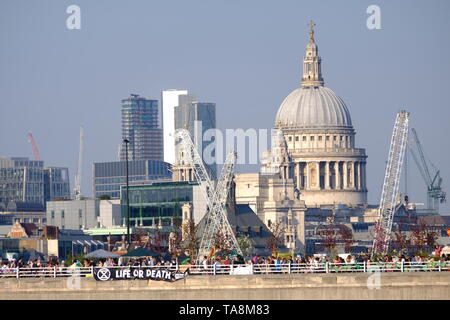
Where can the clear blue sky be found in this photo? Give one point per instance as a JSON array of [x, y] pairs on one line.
[[243, 55]]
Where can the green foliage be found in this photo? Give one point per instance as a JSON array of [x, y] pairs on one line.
[[104, 197], [377, 257], [422, 253], [246, 245], [286, 255], [71, 259]]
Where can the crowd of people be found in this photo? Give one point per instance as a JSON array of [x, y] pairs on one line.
[[322, 262], [260, 264]]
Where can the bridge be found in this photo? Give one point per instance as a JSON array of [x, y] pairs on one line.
[[316, 286]]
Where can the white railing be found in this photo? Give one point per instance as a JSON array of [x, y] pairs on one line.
[[230, 269]]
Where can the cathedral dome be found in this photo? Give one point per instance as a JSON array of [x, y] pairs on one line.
[[313, 107]]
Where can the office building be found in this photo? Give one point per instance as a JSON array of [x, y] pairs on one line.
[[28, 181], [56, 183], [141, 127], [197, 117], [162, 204], [109, 176], [169, 100], [83, 214]]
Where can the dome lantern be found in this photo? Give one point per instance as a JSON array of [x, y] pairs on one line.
[[312, 73]]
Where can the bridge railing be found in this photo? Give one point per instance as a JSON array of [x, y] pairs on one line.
[[236, 269]]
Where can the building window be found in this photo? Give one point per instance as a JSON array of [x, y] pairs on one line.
[[328, 138], [296, 138], [304, 138], [35, 220], [44, 220], [320, 138], [335, 138], [312, 138], [290, 138], [62, 213], [53, 214], [80, 213]]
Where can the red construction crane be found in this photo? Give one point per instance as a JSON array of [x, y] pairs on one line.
[[36, 154]]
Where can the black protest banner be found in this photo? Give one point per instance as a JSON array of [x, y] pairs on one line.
[[142, 273]]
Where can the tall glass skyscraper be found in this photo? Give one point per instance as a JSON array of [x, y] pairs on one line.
[[197, 117], [169, 100], [141, 126]]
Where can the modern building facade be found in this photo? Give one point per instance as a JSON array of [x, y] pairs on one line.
[[56, 183], [197, 118], [84, 214], [28, 181], [163, 203], [108, 177], [141, 127], [169, 100], [9, 218], [21, 180]]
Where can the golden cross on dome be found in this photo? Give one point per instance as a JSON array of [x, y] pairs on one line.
[[311, 24]]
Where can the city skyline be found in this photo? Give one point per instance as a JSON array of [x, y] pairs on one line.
[[243, 71]]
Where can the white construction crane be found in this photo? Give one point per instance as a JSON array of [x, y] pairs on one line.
[[216, 220], [391, 184], [435, 195], [77, 188]]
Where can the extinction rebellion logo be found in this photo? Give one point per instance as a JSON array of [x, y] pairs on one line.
[[105, 274]]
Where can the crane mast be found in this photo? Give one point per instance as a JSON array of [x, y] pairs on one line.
[[77, 188], [36, 153], [216, 220], [434, 192], [391, 184]]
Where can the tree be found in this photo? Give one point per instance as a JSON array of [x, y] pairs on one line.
[[221, 243], [191, 241], [379, 236], [246, 245], [276, 238], [422, 237], [175, 243], [332, 234], [346, 236]]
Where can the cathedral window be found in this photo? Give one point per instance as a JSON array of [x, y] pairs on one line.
[[312, 138], [290, 138], [320, 138], [304, 138], [327, 138], [296, 138]]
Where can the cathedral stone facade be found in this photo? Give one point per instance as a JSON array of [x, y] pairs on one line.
[[313, 173], [314, 142]]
